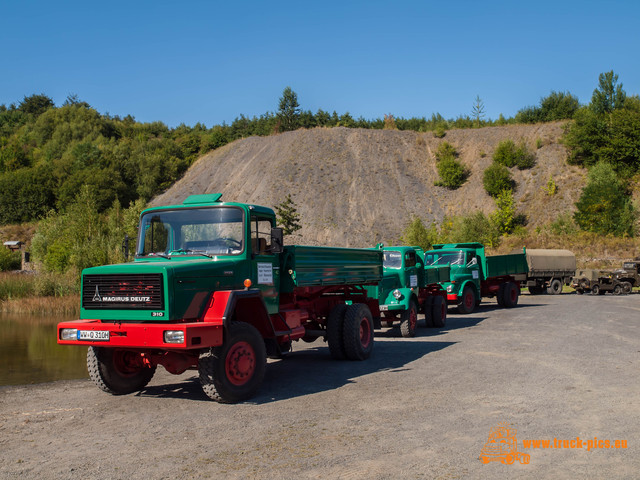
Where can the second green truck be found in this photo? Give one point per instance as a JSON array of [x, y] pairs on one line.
[[475, 275]]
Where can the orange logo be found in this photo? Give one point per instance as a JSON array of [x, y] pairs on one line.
[[502, 446]]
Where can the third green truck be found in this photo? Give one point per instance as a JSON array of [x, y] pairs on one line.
[[475, 275]]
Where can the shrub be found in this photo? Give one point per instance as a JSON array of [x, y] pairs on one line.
[[504, 217], [452, 173], [439, 132], [446, 150], [9, 260], [509, 155], [497, 178], [417, 234]]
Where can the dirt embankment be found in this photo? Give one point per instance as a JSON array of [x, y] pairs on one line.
[[356, 187]]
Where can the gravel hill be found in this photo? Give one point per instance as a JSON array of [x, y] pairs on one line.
[[357, 187]]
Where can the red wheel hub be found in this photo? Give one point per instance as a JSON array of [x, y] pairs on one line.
[[365, 332], [240, 363], [514, 294], [468, 299], [127, 363]]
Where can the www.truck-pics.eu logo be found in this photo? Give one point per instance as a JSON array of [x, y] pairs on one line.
[[502, 446]]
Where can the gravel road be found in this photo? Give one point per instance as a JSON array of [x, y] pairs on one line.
[[555, 367]]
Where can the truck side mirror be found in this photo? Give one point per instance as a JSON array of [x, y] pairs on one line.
[[277, 243], [473, 261]]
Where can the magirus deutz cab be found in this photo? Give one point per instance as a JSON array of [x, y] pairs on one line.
[[213, 288]]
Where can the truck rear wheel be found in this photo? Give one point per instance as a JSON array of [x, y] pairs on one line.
[[234, 371], [511, 293], [595, 289], [118, 371], [555, 287], [409, 320], [500, 295], [428, 315], [626, 287], [617, 289], [439, 312], [468, 301], [335, 326], [358, 332]]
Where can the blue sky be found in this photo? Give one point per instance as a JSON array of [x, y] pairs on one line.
[[209, 62]]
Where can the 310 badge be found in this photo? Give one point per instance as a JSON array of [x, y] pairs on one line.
[[157, 314]]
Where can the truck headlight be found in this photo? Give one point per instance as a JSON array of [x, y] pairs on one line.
[[397, 294], [173, 336], [450, 289], [69, 334]]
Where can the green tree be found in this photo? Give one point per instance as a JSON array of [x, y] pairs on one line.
[[452, 173], [477, 111], [416, 234], [510, 155], [604, 206], [287, 216], [609, 95], [505, 215], [289, 110], [35, 104]]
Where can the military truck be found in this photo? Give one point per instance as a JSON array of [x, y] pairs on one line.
[[475, 275], [598, 282], [549, 270], [409, 288], [629, 274], [213, 288]]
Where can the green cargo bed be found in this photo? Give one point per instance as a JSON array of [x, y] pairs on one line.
[[501, 265], [305, 266]]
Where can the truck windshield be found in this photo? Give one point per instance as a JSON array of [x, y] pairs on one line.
[[444, 258], [392, 259], [196, 231]]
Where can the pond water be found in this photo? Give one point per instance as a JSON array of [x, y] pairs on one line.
[[29, 352]]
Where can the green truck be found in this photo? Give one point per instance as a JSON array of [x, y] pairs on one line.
[[213, 288], [475, 275], [408, 288]]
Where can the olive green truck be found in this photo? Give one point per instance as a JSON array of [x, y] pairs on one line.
[[213, 288]]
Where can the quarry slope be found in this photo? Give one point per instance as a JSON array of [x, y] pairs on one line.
[[357, 187]]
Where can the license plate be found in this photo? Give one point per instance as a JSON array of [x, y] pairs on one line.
[[94, 335]]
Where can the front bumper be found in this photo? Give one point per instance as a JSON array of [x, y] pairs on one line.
[[197, 335]]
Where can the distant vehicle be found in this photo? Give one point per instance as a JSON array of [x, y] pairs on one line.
[[598, 282], [475, 275], [630, 273], [549, 270]]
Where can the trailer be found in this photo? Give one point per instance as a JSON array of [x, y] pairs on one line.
[[474, 275], [549, 270], [409, 288], [213, 288]]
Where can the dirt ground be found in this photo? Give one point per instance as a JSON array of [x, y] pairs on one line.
[[555, 367]]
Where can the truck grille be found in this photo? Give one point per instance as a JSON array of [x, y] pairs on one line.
[[133, 292]]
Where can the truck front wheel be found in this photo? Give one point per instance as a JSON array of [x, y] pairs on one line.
[[409, 320], [511, 293], [118, 371], [234, 371], [468, 302], [358, 332]]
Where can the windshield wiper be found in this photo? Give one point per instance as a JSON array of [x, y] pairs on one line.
[[197, 252]]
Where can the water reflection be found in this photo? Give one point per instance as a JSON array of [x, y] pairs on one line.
[[29, 352]]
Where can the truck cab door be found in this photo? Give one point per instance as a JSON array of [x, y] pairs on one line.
[[265, 265], [473, 267], [410, 269]]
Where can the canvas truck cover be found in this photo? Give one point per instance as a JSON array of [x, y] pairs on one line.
[[550, 260]]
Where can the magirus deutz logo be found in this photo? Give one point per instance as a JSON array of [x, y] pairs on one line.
[[119, 298]]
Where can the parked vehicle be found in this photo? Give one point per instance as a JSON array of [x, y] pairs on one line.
[[475, 275], [212, 287], [409, 288], [598, 282], [629, 274], [549, 270]]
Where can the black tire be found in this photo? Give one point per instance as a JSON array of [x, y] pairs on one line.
[[335, 327], [428, 315], [468, 301], [439, 312], [617, 289], [595, 289], [409, 320], [500, 295], [579, 291], [511, 294], [387, 323], [358, 332], [234, 371], [118, 371], [626, 287], [555, 287]]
